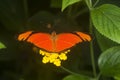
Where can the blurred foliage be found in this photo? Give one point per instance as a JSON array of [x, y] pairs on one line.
[[2, 45], [21, 61]]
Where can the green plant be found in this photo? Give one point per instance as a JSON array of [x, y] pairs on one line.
[[105, 18]]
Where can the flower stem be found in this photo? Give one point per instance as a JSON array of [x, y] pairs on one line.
[[67, 70]]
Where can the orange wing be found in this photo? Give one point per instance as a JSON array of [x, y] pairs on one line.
[[67, 40], [54, 43], [84, 36], [24, 36], [41, 40]]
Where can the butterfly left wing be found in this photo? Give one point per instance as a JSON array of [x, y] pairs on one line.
[[41, 40], [67, 40], [24, 36]]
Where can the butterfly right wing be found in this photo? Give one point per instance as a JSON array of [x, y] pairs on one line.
[[84, 36], [67, 40]]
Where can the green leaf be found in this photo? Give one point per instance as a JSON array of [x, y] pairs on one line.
[[104, 43], [106, 20], [66, 3], [117, 77], [77, 77], [109, 61], [2, 45]]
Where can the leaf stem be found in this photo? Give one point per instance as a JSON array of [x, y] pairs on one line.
[[89, 4], [95, 3]]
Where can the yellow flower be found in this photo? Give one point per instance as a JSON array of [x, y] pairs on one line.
[[45, 59], [63, 56], [57, 62], [54, 58], [41, 52]]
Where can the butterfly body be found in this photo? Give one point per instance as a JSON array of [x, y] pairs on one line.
[[54, 42]]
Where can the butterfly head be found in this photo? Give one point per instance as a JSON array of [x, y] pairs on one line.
[[53, 35]]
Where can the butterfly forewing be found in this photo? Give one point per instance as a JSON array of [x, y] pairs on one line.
[[84, 36], [24, 36]]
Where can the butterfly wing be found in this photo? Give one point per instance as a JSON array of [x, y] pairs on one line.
[[41, 40], [67, 40], [84, 36], [45, 41], [24, 36]]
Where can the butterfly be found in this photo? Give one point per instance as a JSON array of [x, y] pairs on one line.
[[54, 42]]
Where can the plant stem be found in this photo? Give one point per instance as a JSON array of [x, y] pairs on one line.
[[68, 71], [92, 59], [80, 12], [91, 49], [89, 4]]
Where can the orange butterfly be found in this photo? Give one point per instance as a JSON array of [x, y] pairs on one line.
[[54, 42]]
